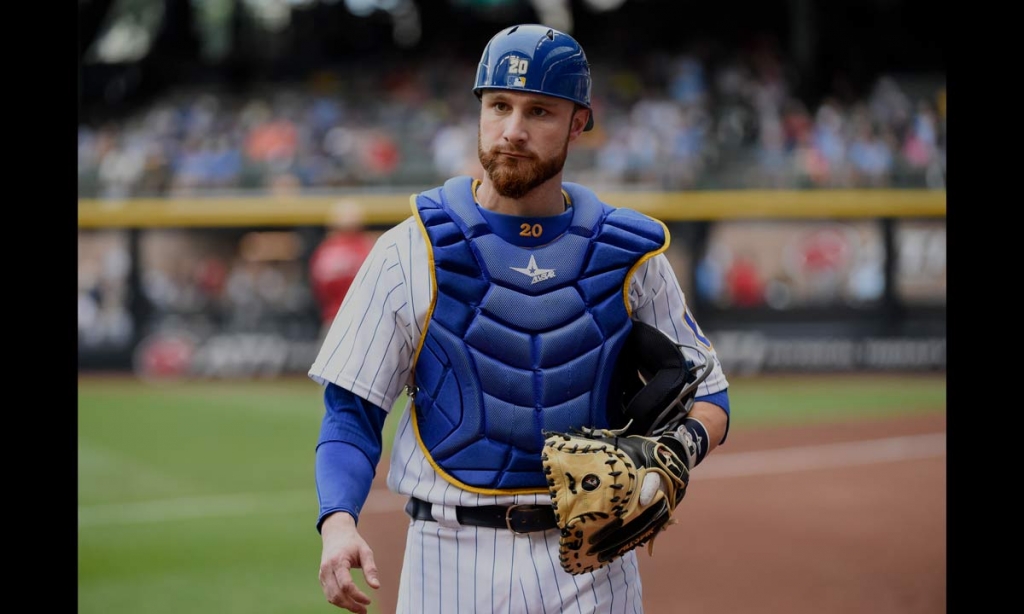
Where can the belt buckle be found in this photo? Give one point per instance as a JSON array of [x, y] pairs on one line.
[[508, 518]]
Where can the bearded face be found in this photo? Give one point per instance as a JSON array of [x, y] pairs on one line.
[[515, 177]]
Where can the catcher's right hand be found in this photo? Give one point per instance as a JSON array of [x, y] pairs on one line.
[[610, 493]]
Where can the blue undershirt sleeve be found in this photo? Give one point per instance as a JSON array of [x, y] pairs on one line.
[[721, 399], [347, 452]]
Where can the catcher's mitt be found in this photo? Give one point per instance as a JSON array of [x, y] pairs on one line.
[[611, 493]]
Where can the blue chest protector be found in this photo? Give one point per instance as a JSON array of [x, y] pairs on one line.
[[519, 341]]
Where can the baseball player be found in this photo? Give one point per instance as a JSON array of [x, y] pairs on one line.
[[335, 261], [499, 307]]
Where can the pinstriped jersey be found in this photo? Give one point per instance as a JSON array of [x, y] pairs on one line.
[[371, 346]]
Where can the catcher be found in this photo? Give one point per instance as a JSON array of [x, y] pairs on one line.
[[503, 307], [616, 489]]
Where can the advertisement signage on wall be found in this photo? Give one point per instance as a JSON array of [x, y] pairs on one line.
[[236, 302], [921, 261], [791, 265]]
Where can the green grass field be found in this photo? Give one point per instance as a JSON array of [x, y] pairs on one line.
[[199, 498]]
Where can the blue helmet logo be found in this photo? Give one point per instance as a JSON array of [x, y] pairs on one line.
[[539, 59]]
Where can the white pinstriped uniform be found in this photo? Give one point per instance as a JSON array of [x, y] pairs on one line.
[[369, 349]]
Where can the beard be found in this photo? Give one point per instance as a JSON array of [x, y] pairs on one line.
[[516, 177]]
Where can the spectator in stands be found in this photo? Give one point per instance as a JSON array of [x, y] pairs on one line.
[[871, 154], [687, 124]]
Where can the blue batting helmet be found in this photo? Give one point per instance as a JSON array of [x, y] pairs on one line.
[[535, 58]]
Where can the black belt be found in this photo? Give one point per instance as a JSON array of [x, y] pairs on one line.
[[516, 518]]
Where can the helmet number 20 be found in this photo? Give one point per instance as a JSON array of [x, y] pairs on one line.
[[517, 65]]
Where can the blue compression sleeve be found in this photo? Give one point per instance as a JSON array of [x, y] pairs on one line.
[[347, 452], [721, 399]]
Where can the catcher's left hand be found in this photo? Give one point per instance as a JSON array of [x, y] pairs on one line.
[[611, 493]]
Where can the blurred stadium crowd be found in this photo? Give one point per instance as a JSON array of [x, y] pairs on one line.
[[662, 122]]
